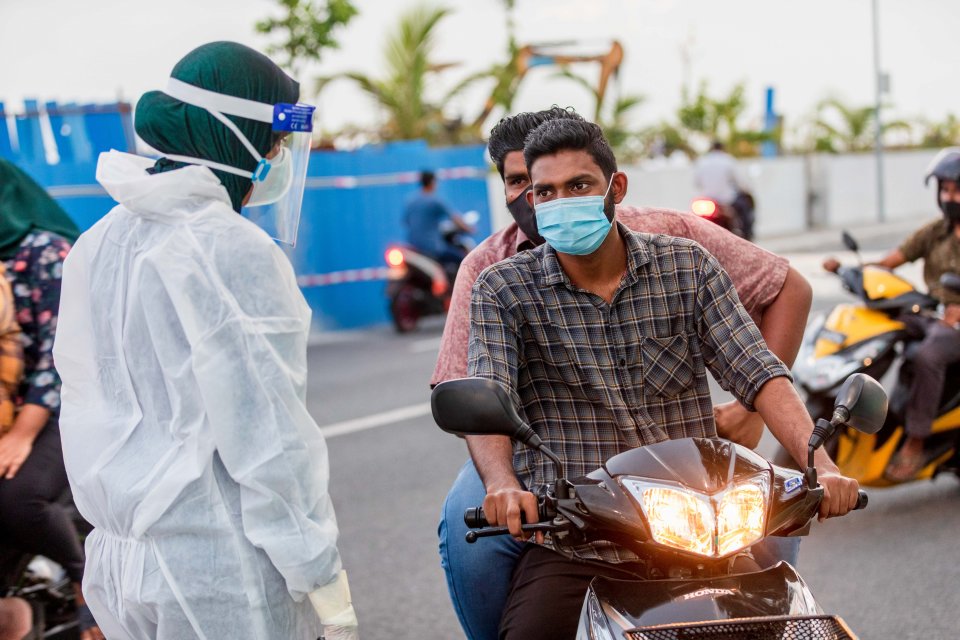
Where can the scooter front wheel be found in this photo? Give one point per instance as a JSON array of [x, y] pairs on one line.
[[405, 310]]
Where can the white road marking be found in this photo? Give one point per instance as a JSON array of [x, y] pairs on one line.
[[375, 420]]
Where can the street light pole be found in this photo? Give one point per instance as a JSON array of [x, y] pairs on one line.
[[878, 142]]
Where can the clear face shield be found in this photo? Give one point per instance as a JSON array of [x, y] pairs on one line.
[[279, 178]]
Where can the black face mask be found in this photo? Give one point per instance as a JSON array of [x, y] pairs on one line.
[[951, 211], [526, 217]]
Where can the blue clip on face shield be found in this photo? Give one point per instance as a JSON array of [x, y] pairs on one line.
[[279, 178]]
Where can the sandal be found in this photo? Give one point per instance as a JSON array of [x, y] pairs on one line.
[[904, 466]]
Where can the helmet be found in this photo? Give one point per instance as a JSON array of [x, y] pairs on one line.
[[944, 166]]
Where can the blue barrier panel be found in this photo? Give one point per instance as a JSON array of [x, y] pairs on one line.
[[353, 209], [6, 146], [74, 187], [29, 137], [61, 133], [72, 133], [108, 127]]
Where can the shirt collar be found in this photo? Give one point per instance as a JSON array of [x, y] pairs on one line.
[[521, 241], [637, 256]]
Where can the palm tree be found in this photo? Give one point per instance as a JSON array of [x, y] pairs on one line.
[[850, 129], [613, 121], [940, 134], [710, 119], [401, 91]]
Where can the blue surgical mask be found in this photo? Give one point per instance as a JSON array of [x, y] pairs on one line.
[[576, 226]]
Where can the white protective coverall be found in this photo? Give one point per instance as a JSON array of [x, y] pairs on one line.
[[182, 348]]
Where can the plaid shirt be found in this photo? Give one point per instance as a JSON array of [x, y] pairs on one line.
[[596, 379]]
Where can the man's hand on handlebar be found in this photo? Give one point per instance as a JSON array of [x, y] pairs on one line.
[[504, 505], [840, 493]]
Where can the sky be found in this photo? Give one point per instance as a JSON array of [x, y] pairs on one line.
[[97, 50]]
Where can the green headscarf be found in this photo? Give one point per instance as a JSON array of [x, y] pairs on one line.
[[171, 126], [25, 206]]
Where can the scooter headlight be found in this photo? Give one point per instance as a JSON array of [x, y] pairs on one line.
[[708, 525]]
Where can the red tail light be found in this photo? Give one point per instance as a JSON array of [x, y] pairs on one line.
[[394, 257], [704, 208]]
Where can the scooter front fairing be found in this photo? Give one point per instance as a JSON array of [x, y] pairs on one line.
[[769, 601]]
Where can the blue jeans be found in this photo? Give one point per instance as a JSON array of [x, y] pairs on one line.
[[479, 574]]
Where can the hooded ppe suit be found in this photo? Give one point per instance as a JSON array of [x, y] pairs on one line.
[[182, 348]]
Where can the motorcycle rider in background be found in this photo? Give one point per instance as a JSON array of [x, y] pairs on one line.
[[424, 216], [938, 245], [716, 177]]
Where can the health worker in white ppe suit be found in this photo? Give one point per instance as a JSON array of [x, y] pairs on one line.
[[182, 348]]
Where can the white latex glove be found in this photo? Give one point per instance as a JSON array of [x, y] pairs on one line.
[[333, 606]]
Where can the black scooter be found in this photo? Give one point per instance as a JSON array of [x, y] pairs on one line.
[[419, 285], [690, 509]]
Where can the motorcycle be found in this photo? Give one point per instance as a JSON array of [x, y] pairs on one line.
[[870, 338], [690, 509], [419, 285], [44, 585], [737, 218]]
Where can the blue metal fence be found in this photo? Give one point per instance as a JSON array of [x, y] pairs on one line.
[[352, 206]]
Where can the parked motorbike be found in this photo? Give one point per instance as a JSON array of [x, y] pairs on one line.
[[690, 509], [44, 585], [869, 337], [419, 285]]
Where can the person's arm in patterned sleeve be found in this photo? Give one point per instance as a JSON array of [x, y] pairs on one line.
[[42, 396], [452, 358], [735, 352], [493, 354], [774, 294]]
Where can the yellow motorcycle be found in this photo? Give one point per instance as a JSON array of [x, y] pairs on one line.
[[868, 337]]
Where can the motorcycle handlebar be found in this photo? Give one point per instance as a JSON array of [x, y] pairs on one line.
[[862, 500], [474, 518]]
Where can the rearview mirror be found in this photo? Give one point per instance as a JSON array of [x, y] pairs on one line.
[[866, 402], [849, 242], [951, 282], [477, 407]]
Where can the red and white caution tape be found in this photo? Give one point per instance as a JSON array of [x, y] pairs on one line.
[[340, 277], [388, 179]]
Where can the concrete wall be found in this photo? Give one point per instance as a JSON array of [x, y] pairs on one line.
[[793, 193], [797, 193], [850, 189]]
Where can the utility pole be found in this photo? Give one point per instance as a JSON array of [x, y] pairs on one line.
[[880, 81]]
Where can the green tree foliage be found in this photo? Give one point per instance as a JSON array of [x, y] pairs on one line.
[[623, 139], [707, 119], [306, 29], [409, 69], [945, 133], [839, 127]]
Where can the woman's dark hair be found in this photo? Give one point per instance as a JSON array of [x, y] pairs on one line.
[[510, 133], [570, 135]]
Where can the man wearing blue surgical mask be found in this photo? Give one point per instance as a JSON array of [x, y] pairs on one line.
[[603, 338]]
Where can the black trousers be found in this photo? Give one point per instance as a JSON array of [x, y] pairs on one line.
[[31, 519], [547, 592], [939, 349]]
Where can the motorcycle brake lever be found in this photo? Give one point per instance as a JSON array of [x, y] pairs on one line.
[[541, 527]]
